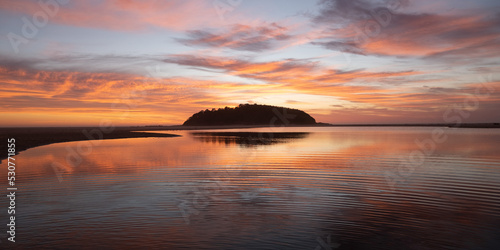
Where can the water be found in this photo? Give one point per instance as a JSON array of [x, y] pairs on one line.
[[272, 188]]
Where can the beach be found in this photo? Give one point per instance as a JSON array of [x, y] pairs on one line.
[[26, 138]]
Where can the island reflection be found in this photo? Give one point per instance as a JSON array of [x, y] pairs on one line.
[[248, 138]]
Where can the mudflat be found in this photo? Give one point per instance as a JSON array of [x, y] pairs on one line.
[[26, 138]]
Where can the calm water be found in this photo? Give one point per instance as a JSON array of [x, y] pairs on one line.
[[322, 188]]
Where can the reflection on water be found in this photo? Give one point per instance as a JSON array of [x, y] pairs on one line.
[[248, 138], [318, 188]]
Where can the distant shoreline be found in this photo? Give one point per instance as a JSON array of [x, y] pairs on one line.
[[30, 137], [449, 125]]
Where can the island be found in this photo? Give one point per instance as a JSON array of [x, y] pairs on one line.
[[251, 114], [242, 116]]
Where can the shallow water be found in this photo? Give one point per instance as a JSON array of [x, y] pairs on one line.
[[269, 188]]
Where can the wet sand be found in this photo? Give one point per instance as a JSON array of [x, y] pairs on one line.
[[33, 137]]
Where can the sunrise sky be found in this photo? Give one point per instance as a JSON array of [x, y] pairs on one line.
[[70, 63]]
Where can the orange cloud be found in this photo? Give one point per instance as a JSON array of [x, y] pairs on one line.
[[50, 97], [285, 71], [43, 97]]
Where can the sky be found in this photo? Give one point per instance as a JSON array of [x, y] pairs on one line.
[[156, 62]]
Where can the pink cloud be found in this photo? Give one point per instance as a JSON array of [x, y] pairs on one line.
[[128, 15], [358, 27]]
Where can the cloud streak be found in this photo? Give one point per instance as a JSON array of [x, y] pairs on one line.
[[399, 59], [240, 37], [289, 71], [370, 28], [126, 15]]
